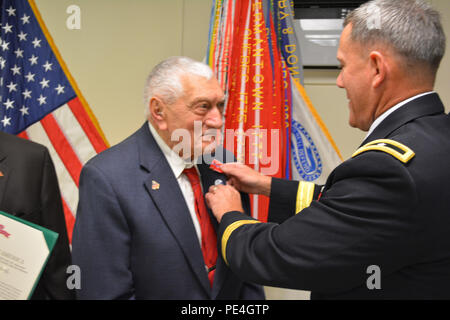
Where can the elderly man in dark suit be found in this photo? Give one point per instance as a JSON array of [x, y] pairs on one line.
[[29, 190], [143, 230], [379, 228]]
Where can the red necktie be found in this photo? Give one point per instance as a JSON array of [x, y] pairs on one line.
[[209, 238]]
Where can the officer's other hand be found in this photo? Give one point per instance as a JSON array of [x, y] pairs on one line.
[[246, 179], [222, 199]]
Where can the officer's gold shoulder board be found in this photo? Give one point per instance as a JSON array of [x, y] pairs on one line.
[[394, 148]]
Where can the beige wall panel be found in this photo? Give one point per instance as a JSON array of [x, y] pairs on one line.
[[110, 56], [195, 28], [443, 79]]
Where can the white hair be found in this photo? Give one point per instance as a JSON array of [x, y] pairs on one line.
[[411, 27], [164, 81]]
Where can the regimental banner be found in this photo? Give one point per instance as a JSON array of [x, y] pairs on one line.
[[314, 153], [255, 119], [270, 123], [283, 15]]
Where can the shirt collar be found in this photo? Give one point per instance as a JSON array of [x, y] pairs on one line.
[[380, 119], [176, 163]]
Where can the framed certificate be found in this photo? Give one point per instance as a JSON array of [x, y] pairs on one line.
[[24, 251]]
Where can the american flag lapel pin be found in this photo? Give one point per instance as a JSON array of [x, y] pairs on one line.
[[155, 185]]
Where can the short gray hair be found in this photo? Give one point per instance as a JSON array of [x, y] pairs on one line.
[[164, 81], [411, 27]]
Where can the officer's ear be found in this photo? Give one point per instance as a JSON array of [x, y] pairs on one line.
[[379, 68]]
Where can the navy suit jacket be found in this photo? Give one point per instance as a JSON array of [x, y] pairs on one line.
[[133, 241]]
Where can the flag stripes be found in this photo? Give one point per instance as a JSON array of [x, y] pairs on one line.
[[70, 147], [87, 123], [70, 219], [62, 147], [74, 133], [60, 132]]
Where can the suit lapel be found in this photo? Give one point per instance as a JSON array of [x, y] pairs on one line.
[[165, 192]]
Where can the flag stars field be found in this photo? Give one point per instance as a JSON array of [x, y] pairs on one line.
[[39, 99], [29, 70]]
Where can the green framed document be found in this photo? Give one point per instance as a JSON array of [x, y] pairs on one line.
[[24, 250]]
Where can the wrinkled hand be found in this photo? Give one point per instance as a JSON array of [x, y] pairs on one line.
[[222, 199], [246, 179]]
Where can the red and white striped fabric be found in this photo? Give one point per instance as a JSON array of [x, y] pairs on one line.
[[72, 139]]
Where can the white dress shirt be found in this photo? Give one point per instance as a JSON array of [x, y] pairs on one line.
[[378, 120], [177, 164]]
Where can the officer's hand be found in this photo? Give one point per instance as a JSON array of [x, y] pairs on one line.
[[246, 179], [222, 199]]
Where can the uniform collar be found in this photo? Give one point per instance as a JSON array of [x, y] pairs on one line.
[[380, 119], [416, 107]]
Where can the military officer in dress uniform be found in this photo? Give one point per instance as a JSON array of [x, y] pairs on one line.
[[379, 228]]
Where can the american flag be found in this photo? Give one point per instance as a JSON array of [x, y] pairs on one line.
[[40, 101]]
